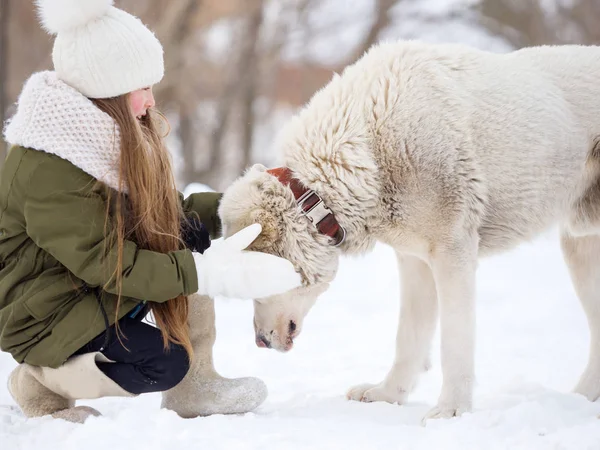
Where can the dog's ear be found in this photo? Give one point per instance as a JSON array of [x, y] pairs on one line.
[[258, 168], [270, 232]]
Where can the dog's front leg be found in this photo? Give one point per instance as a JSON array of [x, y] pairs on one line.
[[418, 316], [454, 265]]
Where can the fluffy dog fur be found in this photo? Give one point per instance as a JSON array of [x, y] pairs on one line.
[[447, 154]]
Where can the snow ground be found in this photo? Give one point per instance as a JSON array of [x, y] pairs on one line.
[[532, 345]]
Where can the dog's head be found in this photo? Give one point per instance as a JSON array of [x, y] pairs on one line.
[[259, 197]]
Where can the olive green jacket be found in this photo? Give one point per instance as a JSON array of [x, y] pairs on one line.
[[54, 263]]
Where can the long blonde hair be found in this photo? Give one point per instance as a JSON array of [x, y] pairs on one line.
[[150, 212]]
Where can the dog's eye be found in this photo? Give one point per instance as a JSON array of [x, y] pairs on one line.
[[291, 327]]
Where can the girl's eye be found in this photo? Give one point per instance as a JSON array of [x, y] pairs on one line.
[[147, 88]]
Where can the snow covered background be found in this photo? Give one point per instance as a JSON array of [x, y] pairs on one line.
[[532, 344]]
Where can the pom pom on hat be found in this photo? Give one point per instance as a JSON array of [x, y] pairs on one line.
[[64, 15], [100, 50]]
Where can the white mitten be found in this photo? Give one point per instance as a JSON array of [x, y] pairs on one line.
[[226, 269]]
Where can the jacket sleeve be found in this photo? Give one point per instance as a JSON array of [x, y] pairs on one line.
[[206, 205], [66, 217]]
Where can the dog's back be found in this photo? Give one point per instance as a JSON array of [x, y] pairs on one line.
[[540, 151], [523, 125]]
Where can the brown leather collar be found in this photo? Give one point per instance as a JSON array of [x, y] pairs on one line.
[[311, 206]]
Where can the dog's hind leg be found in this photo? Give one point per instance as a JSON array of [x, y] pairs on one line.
[[585, 217], [582, 255], [418, 317]]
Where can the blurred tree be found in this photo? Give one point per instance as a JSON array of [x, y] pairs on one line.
[[383, 19], [25, 48], [3, 62], [524, 23], [230, 80]]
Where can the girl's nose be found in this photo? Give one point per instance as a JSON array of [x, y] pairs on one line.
[[150, 101]]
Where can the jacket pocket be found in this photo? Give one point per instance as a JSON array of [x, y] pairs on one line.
[[48, 301]]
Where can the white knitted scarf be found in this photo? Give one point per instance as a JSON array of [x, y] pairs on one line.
[[55, 118]]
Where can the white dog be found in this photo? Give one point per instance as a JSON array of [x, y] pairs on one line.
[[446, 153]]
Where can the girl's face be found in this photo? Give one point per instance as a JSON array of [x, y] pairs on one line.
[[140, 101]]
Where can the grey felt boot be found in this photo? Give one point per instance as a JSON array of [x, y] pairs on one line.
[[203, 391]]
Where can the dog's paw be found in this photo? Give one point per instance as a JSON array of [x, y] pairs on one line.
[[589, 387], [376, 393], [589, 382], [444, 412]]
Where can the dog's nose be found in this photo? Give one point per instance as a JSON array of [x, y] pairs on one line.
[[262, 341], [291, 327]]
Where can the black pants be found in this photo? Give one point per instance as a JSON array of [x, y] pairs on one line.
[[143, 366]]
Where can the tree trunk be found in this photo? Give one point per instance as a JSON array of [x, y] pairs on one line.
[[250, 86], [188, 146], [3, 72]]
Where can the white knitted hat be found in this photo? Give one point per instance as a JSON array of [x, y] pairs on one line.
[[100, 50]]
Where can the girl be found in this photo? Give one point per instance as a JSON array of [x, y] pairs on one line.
[[90, 225]]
